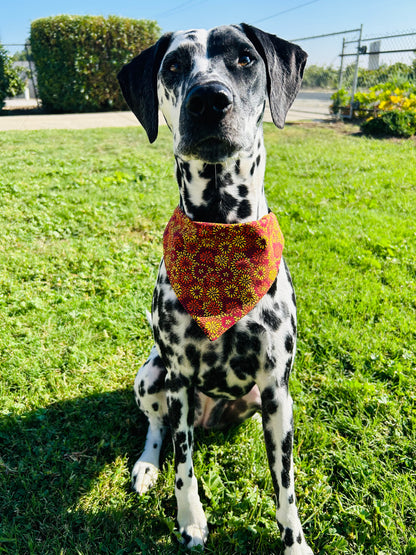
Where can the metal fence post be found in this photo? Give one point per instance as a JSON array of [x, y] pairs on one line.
[[28, 51], [341, 69], [354, 83]]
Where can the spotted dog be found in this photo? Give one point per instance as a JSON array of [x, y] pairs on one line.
[[211, 87]]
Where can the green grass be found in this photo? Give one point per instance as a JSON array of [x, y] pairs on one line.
[[81, 220]]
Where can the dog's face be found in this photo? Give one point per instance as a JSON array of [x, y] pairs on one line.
[[212, 90], [211, 87]]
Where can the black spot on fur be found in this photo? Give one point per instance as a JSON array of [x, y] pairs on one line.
[[288, 368], [190, 473], [270, 449], [244, 366], [175, 383], [289, 343], [228, 202], [179, 483], [179, 176], [299, 539], [155, 407], [273, 287], [227, 344], [270, 446], [244, 209], [271, 319], [286, 459], [174, 338], [293, 323], [187, 538], [288, 537], [215, 377], [194, 356], [159, 383], [193, 331], [291, 499], [175, 412], [268, 401], [210, 358], [181, 449], [186, 171], [242, 342], [243, 190], [255, 328]]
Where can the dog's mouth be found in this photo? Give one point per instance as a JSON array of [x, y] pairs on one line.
[[210, 149]]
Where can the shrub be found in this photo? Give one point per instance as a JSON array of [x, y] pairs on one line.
[[320, 77], [10, 82], [340, 99], [398, 73], [393, 124], [77, 59], [386, 109]]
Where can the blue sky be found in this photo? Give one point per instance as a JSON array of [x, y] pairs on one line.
[[288, 19]]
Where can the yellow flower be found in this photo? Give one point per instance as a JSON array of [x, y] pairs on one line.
[[213, 327], [239, 241], [213, 293]]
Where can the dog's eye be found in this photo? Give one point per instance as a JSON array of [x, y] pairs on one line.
[[245, 59], [174, 67]]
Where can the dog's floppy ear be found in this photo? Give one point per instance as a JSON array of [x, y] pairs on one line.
[[285, 63], [138, 82]]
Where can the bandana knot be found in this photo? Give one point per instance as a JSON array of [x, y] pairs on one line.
[[219, 272]]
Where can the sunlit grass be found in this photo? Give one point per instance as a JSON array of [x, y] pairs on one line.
[[81, 222]]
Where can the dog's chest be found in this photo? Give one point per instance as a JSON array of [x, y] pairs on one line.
[[228, 366]]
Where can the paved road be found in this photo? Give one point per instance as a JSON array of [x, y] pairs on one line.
[[309, 106]]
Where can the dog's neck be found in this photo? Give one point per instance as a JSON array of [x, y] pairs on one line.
[[230, 192]]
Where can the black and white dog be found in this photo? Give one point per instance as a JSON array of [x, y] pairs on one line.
[[211, 87]]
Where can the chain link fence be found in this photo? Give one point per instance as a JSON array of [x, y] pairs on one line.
[[351, 61]]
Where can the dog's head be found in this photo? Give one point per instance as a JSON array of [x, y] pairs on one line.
[[211, 87]]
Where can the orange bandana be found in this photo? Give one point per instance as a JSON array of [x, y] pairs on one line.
[[219, 272]]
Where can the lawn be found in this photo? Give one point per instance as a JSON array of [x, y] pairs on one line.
[[81, 220]]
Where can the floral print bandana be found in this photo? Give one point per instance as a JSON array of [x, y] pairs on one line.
[[219, 272]]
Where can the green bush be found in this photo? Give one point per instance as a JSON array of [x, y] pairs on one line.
[[10, 82], [340, 99], [397, 73], [392, 124], [77, 59], [320, 77]]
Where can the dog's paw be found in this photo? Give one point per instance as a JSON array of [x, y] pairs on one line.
[[194, 534], [143, 476]]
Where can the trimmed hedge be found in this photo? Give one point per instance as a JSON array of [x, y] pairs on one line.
[[77, 59]]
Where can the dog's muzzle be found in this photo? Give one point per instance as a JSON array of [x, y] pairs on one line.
[[204, 129]]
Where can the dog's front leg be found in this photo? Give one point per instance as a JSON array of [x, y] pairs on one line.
[[278, 434], [193, 525]]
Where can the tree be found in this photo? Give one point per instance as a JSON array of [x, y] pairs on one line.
[[10, 82]]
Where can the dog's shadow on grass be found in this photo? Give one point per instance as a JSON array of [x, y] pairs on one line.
[[52, 459], [64, 481]]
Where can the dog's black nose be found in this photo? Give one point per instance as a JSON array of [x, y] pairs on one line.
[[210, 100]]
